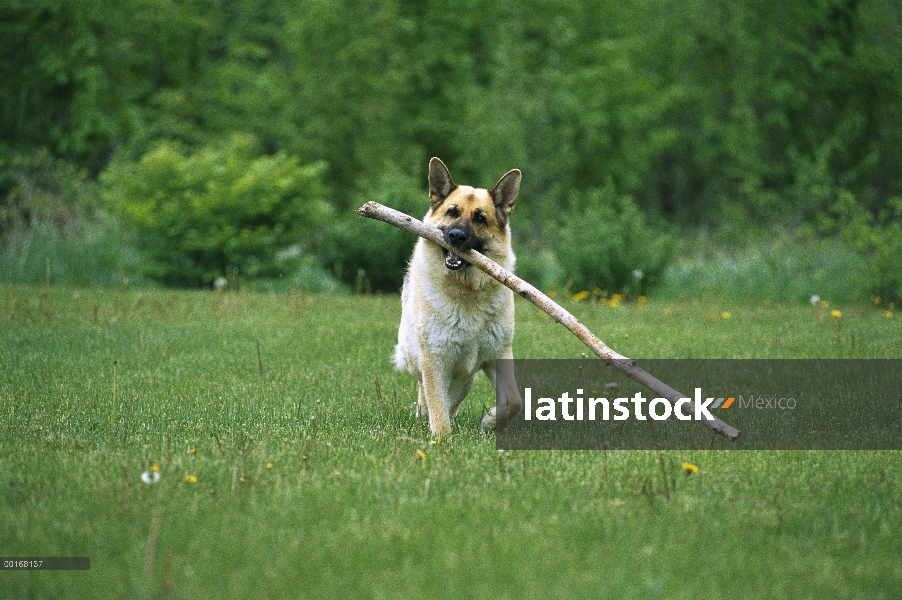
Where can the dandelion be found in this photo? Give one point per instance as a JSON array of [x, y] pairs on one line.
[[580, 296], [836, 314], [432, 442], [822, 304], [725, 315], [641, 300], [637, 274], [689, 468], [815, 300], [269, 465], [191, 478], [152, 476], [888, 314], [420, 453], [877, 300]]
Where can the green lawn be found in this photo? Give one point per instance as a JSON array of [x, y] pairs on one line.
[[292, 465]]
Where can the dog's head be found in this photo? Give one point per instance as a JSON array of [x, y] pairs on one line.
[[471, 218]]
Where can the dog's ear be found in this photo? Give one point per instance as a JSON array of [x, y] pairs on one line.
[[440, 182], [505, 192]]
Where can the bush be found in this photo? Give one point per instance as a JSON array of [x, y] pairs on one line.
[[369, 255], [223, 208], [877, 239], [604, 242]]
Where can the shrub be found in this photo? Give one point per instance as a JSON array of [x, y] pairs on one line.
[[222, 208], [877, 239], [369, 255], [604, 242]]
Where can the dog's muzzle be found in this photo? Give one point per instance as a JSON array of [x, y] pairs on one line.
[[459, 238]]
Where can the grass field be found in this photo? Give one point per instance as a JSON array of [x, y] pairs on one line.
[[291, 464]]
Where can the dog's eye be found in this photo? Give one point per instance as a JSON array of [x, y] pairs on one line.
[[479, 217], [453, 212]]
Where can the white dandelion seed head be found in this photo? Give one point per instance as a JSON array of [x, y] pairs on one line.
[[150, 477], [815, 299]]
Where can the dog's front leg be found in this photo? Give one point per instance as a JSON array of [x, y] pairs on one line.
[[508, 402], [422, 409], [432, 390]]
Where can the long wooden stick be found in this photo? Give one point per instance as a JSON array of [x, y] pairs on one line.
[[377, 211]]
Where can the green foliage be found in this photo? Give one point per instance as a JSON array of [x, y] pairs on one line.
[[762, 111], [224, 208], [604, 242], [369, 255], [877, 240]]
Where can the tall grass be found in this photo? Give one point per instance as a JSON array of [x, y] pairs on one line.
[[87, 254], [782, 268]]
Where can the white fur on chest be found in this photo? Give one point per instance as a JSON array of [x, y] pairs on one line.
[[467, 317]]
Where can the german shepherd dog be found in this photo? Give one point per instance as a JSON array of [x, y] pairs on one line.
[[455, 319]]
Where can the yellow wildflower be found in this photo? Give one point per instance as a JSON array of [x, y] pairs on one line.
[[689, 468], [191, 478], [580, 296], [420, 453], [725, 315], [836, 314]]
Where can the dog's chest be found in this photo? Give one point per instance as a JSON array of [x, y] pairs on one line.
[[479, 328]]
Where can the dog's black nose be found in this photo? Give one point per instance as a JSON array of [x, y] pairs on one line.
[[457, 236]]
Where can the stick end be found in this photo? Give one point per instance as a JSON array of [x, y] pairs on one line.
[[367, 208]]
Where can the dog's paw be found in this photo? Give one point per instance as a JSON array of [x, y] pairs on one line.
[[488, 421]]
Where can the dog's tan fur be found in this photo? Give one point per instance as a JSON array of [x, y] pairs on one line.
[[455, 323]]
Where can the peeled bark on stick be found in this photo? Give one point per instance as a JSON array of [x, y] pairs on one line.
[[377, 211]]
